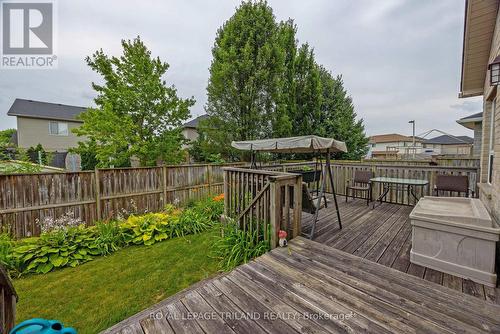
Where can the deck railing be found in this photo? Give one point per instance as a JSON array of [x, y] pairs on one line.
[[344, 171], [8, 299], [264, 201]]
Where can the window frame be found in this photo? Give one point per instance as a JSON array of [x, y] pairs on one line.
[[58, 125]]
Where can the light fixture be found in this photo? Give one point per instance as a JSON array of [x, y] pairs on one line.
[[494, 68]]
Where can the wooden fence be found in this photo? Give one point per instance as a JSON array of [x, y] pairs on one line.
[[8, 299], [264, 201], [108, 193], [344, 171], [441, 161], [101, 194]]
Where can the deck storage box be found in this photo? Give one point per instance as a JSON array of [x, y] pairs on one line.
[[456, 236]]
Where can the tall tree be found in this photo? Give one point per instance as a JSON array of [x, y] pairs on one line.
[[263, 84], [282, 122], [338, 118], [137, 114], [244, 77], [307, 93]]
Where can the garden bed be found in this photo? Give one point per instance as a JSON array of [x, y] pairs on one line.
[[100, 293]]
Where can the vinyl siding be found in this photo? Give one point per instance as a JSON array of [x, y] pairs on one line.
[[490, 193], [34, 131]]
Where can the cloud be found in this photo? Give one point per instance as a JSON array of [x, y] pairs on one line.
[[400, 59], [469, 106]]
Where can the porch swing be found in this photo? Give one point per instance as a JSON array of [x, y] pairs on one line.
[[302, 144]]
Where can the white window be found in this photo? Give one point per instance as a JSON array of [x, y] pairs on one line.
[[491, 147], [58, 128]]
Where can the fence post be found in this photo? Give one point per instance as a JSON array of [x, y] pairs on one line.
[[97, 193], [209, 179], [275, 211], [226, 193], [297, 206], [164, 178]]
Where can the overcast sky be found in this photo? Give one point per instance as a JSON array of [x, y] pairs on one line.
[[400, 59]]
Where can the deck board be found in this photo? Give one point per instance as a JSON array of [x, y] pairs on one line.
[[313, 288], [383, 235]]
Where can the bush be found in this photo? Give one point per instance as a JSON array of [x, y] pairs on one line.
[[149, 228], [56, 249], [6, 247], [63, 244], [235, 246]]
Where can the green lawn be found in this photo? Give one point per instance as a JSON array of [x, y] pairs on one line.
[[100, 293]]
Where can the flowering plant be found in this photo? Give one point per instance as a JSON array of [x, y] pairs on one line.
[[219, 198], [282, 234], [61, 223]]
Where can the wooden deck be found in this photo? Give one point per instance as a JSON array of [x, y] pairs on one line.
[[312, 288], [383, 235]]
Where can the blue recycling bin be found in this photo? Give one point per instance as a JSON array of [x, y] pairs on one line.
[[41, 326]]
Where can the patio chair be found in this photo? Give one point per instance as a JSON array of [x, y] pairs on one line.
[[360, 183], [453, 183]]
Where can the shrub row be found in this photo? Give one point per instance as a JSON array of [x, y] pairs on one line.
[[71, 246]]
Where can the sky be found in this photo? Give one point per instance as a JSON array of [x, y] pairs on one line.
[[400, 59]]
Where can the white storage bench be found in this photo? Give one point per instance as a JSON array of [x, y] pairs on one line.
[[456, 236]]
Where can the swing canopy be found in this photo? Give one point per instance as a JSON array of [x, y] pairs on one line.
[[301, 144]]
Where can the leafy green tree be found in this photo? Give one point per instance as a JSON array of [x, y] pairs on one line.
[[38, 155], [263, 84], [87, 155], [244, 78], [285, 104], [137, 114], [338, 118], [6, 137], [307, 112]]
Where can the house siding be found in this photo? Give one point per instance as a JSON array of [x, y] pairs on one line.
[[490, 193], [34, 131], [478, 137]]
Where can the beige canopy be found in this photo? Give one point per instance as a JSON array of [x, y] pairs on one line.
[[302, 144]]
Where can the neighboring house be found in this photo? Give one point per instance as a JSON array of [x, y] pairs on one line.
[[448, 145], [190, 129], [474, 122], [481, 53], [48, 124], [392, 146]]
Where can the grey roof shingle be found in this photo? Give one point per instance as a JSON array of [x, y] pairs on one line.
[[473, 116], [194, 122], [45, 110], [450, 140]]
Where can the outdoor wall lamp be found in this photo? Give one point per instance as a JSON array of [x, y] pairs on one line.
[[494, 68]]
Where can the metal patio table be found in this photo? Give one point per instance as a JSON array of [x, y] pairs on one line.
[[399, 184]]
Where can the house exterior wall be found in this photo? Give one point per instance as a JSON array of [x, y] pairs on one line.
[[400, 145], [456, 149], [190, 134], [478, 134], [34, 131], [490, 192]]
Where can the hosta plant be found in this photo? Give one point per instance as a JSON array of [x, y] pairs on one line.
[[149, 228], [56, 249]]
